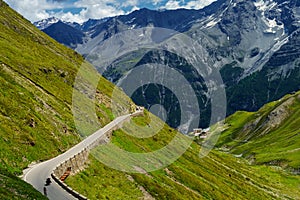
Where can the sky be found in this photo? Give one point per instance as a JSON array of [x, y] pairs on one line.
[[81, 10]]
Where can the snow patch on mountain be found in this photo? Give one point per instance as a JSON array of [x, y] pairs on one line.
[[273, 27], [45, 23], [272, 24], [264, 5], [212, 22]]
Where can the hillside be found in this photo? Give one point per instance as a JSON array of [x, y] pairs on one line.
[[12, 187], [217, 176], [269, 136], [36, 86]]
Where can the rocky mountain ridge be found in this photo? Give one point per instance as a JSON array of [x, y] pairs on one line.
[[254, 44]]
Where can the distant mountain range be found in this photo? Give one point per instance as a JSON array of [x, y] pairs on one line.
[[254, 44]]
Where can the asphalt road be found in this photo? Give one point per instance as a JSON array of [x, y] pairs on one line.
[[36, 175]]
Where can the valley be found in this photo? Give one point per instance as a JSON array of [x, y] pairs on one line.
[[52, 107]]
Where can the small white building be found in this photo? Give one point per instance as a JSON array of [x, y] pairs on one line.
[[140, 108], [197, 131], [202, 133]]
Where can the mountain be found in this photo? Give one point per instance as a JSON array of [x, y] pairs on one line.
[[45, 23], [37, 77], [180, 20], [65, 34], [246, 40], [259, 61]]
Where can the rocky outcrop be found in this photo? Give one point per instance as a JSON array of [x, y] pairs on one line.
[[264, 124], [277, 116]]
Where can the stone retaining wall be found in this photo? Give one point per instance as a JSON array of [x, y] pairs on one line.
[[78, 162]]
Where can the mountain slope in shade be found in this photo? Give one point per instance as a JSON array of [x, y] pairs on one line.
[[65, 34]]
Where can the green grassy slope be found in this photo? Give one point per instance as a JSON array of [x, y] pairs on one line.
[[269, 136], [11, 187], [36, 84], [217, 176]]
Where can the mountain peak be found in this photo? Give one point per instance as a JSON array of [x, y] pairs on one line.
[[45, 23], [65, 33]]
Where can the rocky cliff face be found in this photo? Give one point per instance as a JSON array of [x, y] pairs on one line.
[[254, 44], [248, 32]]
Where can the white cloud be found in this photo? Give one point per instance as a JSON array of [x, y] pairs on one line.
[[70, 17], [35, 10], [134, 8], [32, 9], [130, 3], [198, 4], [172, 5], [194, 4], [155, 2], [98, 9]]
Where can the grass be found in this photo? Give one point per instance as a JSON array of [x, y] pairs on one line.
[[217, 176], [249, 134], [104, 183], [37, 77], [12, 187]]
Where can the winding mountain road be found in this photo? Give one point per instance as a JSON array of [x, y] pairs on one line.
[[36, 175]]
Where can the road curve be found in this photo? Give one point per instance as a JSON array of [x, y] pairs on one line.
[[36, 175]]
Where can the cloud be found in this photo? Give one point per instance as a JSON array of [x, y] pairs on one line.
[[60, 0], [198, 4], [130, 3], [96, 9], [32, 9], [172, 5], [194, 4], [155, 2], [35, 10]]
